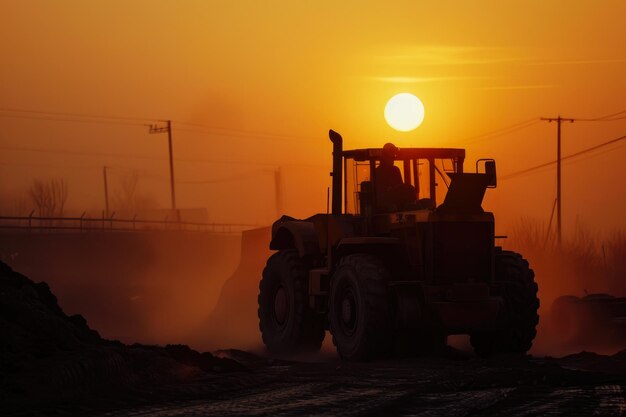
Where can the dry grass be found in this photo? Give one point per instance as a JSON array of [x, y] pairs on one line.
[[614, 257], [585, 262]]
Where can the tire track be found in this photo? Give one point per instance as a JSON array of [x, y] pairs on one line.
[[425, 387]]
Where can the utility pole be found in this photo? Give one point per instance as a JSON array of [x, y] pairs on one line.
[[106, 190], [161, 129], [558, 121]]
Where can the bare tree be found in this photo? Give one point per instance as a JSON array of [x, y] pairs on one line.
[[125, 198], [128, 199], [49, 196]]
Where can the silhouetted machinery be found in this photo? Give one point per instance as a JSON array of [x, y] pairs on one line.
[[387, 274], [591, 320]]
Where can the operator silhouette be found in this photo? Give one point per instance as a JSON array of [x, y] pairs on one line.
[[391, 191]]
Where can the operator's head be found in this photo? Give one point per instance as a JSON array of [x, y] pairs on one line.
[[390, 151]]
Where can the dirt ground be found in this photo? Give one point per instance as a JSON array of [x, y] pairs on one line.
[[455, 384], [52, 364], [435, 386]]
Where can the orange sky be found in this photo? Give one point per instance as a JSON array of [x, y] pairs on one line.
[[293, 69]]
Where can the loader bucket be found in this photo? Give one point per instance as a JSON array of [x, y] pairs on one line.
[[234, 323]]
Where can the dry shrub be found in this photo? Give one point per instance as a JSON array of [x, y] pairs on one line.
[[585, 262], [614, 257], [49, 196]]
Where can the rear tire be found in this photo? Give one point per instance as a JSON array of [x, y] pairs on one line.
[[517, 327], [359, 308], [287, 323]]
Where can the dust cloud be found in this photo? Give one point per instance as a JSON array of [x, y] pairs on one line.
[[147, 287], [588, 264], [201, 288]]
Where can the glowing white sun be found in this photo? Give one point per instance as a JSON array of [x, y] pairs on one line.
[[404, 112]]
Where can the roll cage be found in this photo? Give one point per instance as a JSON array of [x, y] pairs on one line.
[[412, 162]]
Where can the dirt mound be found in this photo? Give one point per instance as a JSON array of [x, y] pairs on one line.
[[49, 360], [32, 324], [590, 361]]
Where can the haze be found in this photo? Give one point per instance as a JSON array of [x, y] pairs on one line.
[[253, 86]]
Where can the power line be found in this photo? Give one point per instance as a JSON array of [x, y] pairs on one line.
[[250, 135], [599, 153], [606, 118], [614, 114], [593, 148], [91, 116], [59, 119], [139, 121], [503, 131], [600, 120], [241, 133], [543, 167], [54, 166], [154, 158], [80, 153], [547, 164], [231, 178], [143, 174]]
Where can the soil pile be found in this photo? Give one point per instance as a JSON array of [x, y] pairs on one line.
[[49, 360], [591, 361]]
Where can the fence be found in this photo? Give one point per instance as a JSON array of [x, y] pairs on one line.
[[111, 224]]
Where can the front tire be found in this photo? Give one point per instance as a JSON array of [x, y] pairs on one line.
[[359, 308], [519, 319], [286, 322]]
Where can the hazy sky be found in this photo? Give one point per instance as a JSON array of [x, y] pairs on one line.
[[259, 83]]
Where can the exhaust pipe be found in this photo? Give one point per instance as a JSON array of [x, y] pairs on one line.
[[337, 141]]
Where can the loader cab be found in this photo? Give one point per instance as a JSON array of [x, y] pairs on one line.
[[425, 175]]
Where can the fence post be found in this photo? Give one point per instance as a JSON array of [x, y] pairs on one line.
[[134, 218], [30, 221], [111, 221], [102, 220], [81, 221]]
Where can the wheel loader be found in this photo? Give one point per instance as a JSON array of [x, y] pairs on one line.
[[397, 276]]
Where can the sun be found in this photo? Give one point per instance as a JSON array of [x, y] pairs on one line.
[[404, 112]]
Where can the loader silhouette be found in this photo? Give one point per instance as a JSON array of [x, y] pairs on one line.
[[391, 275]]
